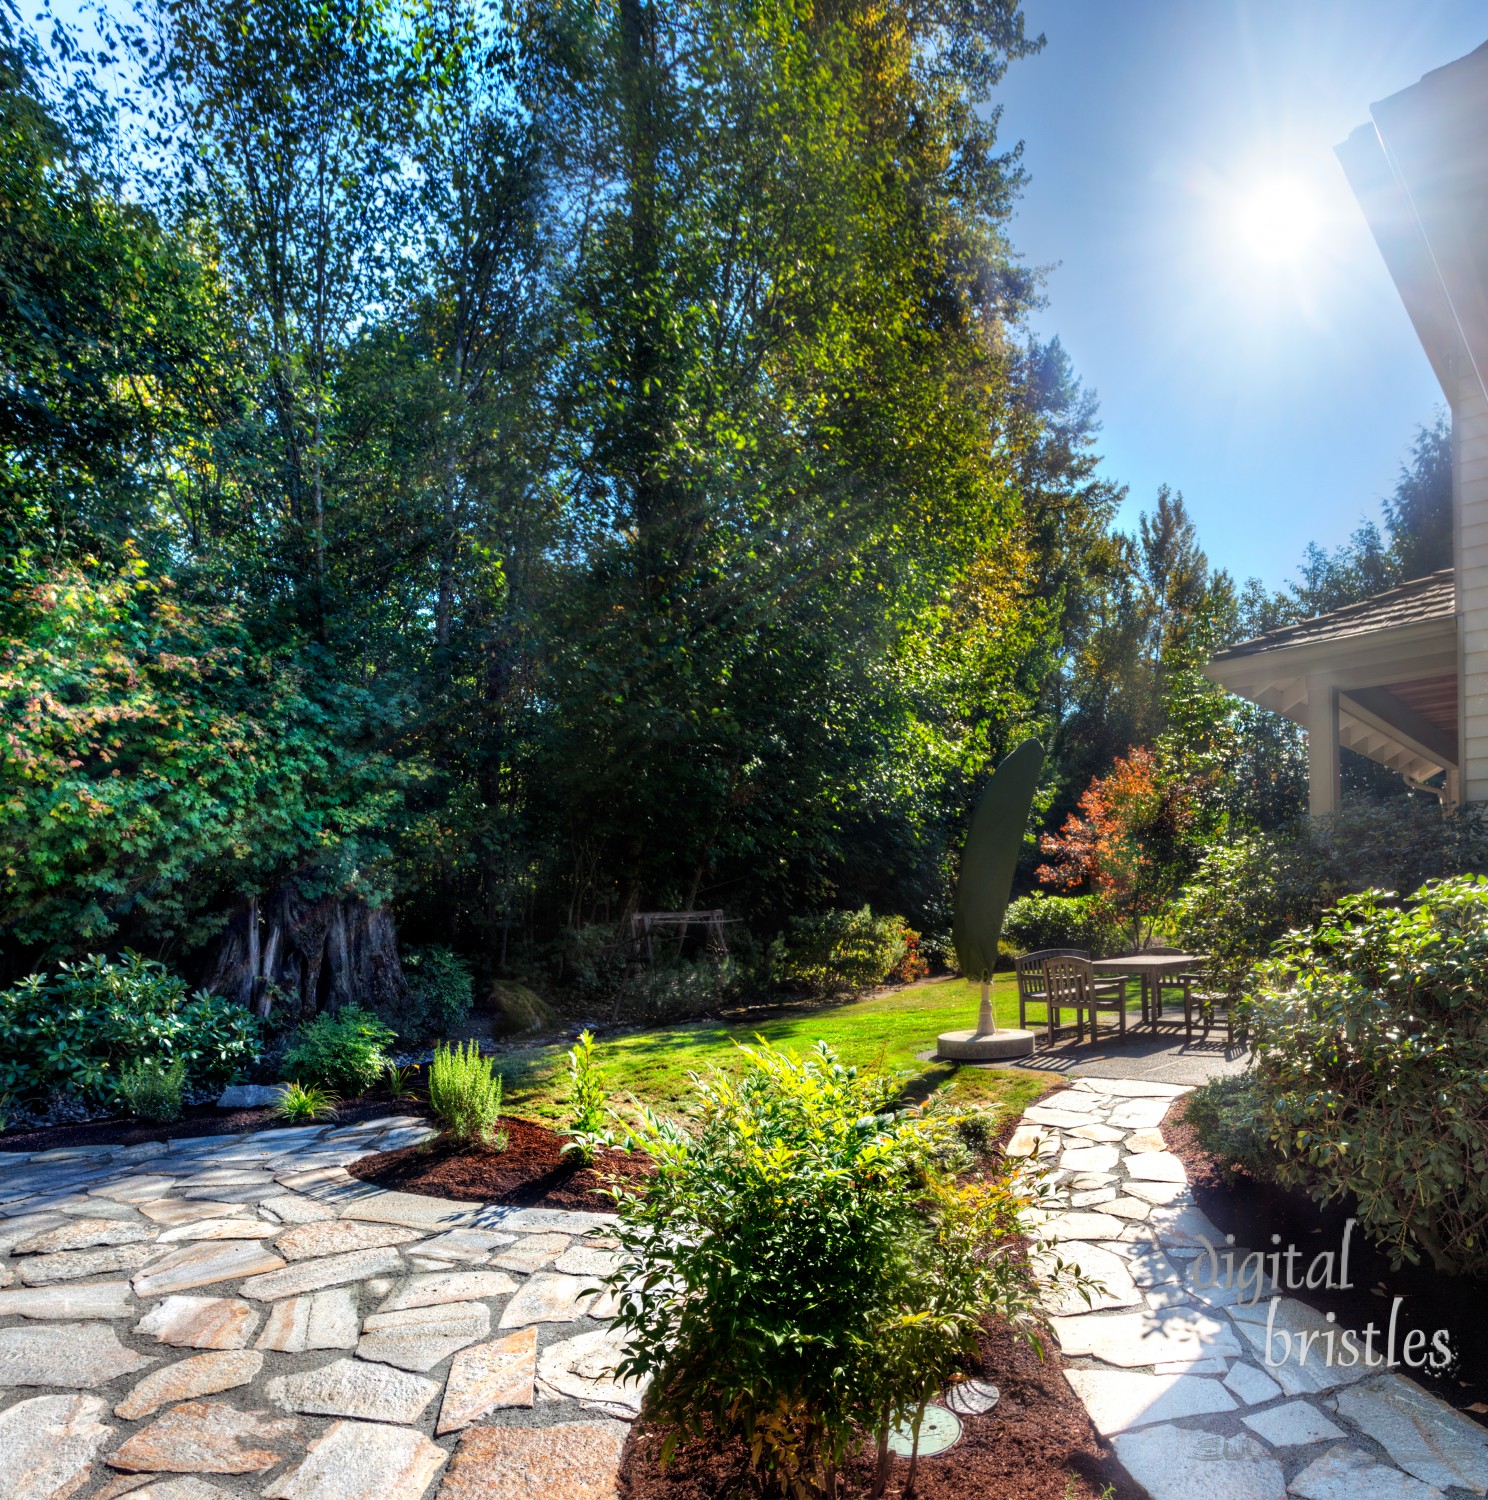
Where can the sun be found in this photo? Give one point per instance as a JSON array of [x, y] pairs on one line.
[[1276, 221]]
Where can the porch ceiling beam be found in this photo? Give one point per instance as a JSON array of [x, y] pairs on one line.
[[1398, 721]]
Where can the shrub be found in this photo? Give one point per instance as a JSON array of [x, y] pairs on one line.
[[301, 1104], [800, 1272], [914, 965], [1371, 1046], [840, 951], [1249, 892], [153, 1089], [1039, 921], [440, 992], [1231, 1121], [341, 1050], [74, 1030], [465, 1094], [603, 973], [588, 1133]]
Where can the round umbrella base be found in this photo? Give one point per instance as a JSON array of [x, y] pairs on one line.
[[984, 1046]]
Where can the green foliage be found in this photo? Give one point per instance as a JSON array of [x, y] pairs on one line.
[[466, 1095], [158, 763], [1232, 1122], [440, 992], [1371, 1047], [152, 1089], [802, 1274], [1249, 891], [839, 952], [304, 1103], [587, 1103], [398, 1081], [341, 1050], [74, 1029], [1039, 920], [518, 1007], [990, 859]]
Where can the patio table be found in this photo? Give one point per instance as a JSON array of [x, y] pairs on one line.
[[1150, 968]]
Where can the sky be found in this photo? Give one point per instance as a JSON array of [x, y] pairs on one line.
[[1210, 274]]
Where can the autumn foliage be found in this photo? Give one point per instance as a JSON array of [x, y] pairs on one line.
[[1129, 843]]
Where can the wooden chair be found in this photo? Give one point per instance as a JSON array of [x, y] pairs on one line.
[[1071, 984], [1032, 988]]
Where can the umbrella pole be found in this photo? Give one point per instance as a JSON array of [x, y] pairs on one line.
[[986, 1022]]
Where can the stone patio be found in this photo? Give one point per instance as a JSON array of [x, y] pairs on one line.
[[238, 1316], [1175, 1371]]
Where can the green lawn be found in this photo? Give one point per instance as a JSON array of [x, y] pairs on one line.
[[884, 1033]]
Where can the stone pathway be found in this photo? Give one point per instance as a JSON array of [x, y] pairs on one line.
[[1216, 1387], [238, 1316]]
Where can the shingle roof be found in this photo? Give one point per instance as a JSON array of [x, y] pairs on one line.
[[1429, 598]]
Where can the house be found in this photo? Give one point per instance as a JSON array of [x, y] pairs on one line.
[[1403, 677]]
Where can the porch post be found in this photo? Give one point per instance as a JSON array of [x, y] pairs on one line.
[[1322, 746]]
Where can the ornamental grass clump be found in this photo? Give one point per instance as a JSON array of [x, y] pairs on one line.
[[801, 1276], [466, 1095], [305, 1103]]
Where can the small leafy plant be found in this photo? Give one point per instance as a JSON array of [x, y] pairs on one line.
[[399, 1081], [800, 1272], [588, 1134], [153, 1089], [343, 1050], [302, 1104], [466, 1095]]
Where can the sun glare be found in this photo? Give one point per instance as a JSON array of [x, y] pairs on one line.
[[1276, 221]]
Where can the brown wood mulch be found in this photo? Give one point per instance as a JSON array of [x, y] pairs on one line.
[[1037, 1443], [1254, 1210], [532, 1171]]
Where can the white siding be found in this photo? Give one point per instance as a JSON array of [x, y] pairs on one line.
[[1470, 487]]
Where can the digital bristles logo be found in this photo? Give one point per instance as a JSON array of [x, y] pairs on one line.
[[1266, 1274]]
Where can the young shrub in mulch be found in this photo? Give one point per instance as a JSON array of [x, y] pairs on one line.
[[1371, 1046], [344, 1050], [466, 1096], [803, 1275]]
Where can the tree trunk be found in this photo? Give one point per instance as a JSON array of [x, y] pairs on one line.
[[309, 955]]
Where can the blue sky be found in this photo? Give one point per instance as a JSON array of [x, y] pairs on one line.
[[1211, 275]]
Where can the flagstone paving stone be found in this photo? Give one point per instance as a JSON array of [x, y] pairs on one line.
[[1345, 1473], [92, 1299], [584, 1368], [202, 1265], [78, 1356], [574, 1461], [239, 1227], [430, 1289], [1424, 1436], [338, 1237], [186, 1379], [530, 1253], [314, 1275], [84, 1234], [173, 1211], [1176, 1463], [1155, 1166], [291, 1208], [1293, 1424], [421, 1337], [352, 1388], [316, 1320], [208, 1437], [48, 1444], [487, 1377], [367, 1461], [548, 1297], [74, 1265], [200, 1322], [475, 1245], [1119, 1400]]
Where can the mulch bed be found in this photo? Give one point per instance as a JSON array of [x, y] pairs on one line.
[[532, 1172], [201, 1119], [1253, 1211], [1037, 1443]]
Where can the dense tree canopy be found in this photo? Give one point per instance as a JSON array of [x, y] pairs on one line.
[[531, 462]]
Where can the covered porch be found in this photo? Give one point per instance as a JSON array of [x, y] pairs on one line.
[[1379, 677]]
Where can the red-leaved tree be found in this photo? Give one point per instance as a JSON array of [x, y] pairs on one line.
[[1129, 843]]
